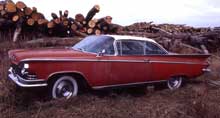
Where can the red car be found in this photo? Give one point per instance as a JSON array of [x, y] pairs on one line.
[[101, 62]]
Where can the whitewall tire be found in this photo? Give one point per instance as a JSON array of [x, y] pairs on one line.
[[64, 87]]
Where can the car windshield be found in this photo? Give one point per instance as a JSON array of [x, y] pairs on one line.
[[96, 44]]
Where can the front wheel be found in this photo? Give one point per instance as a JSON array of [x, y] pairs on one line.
[[64, 87], [175, 82]]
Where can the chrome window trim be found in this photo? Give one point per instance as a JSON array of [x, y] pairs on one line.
[[128, 84], [98, 52], [156, 44], [120, 40]]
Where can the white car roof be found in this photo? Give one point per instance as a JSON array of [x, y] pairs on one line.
[[126, 37]]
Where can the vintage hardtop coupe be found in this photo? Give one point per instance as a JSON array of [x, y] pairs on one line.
[[101, 62]]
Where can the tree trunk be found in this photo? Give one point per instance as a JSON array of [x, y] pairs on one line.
[[16, 34], [92, 13]]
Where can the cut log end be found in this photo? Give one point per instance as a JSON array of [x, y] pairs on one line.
[[20, 5], [2, 7], [42, 21], [10, 7], [3, 12], [97, 32], [79, 17], [97, 7], [30, 22], [15, 18], [37, 16], [65, 23], [50, 24], [28, 11], [74, 27], [91, 24], [90, 31], [108, 19]]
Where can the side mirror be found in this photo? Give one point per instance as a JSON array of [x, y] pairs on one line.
[[101, 53]]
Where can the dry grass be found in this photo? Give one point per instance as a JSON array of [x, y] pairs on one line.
[[195, 100]]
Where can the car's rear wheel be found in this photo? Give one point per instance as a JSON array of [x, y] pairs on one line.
[[175, 82], [64, 87]]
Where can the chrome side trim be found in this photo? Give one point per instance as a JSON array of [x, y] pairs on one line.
[[60, 72], [170, 62], [82, 60], [97, 60], [129, 84]]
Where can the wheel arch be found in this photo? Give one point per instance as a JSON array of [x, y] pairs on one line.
[[80, 77], [185, 76]]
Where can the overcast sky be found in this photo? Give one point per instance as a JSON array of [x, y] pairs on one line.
[[125, 12]]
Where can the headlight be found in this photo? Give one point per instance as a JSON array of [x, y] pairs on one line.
[[26, 66]]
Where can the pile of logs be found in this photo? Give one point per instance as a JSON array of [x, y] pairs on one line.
[[172, 36], [23, 20], [20, 18], [63, 25]]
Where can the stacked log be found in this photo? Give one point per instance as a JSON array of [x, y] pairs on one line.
[[23, 20], [81, 25], [199, 39]]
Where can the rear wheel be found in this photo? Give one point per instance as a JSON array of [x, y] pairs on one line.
[[64, 87], [175, 82]]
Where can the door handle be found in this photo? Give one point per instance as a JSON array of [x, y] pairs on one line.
[[147, 60]]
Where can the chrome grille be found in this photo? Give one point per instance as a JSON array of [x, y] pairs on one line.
[[17, 70]]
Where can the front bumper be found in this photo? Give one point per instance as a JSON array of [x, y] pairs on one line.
[[207, 70], [23, 82]]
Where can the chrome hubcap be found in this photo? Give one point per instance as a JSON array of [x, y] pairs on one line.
[[64, 89], [175, 83]]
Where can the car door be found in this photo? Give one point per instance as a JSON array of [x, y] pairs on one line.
[[156, 54], [130, 65], [101, 69]]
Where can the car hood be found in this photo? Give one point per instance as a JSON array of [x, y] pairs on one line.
[[37, 54]]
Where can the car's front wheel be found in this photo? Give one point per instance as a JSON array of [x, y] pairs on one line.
[[64, 87], [175, 82]]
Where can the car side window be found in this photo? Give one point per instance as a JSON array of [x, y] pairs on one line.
[[151, 48], [109, 49], [130, 47]]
